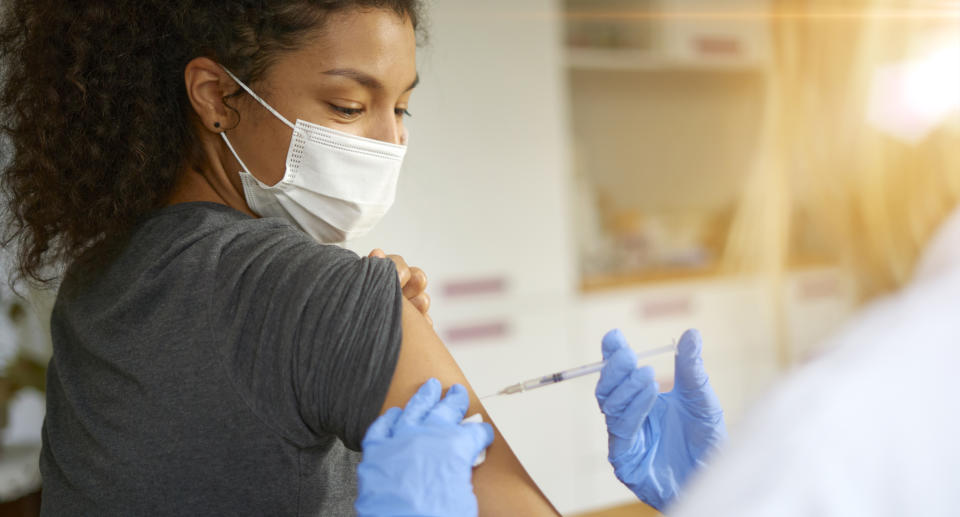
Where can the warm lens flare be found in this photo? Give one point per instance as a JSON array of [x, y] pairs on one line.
[[911, 99], [934, 11]]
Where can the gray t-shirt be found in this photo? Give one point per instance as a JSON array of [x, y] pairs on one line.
[[220, 365]]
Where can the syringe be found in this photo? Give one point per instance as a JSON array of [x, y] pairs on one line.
[[572, 373]]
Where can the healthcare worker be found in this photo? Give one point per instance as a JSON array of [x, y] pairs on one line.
[[866, 120], [184, 170]]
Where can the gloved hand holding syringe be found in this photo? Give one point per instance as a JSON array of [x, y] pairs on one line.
[[572, 373]]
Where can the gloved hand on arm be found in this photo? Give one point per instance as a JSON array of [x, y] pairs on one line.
[[419, 460], [657, 440]]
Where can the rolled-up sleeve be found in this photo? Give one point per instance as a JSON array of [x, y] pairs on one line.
[[310, 333]]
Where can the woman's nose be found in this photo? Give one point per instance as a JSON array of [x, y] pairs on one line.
[[388, 130]]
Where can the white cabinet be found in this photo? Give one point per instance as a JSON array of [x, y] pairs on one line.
[[816, 303], [700, 35], [666, 34], [734, 316]]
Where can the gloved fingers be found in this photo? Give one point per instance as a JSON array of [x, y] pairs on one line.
[[420, 404], [382, 427], [689, 373], [612, 341], [619, 366], [450, 410], [636, 384], [481, 436], [632, 417]]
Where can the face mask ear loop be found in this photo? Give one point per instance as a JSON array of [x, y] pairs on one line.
[[235, 155], [257, 97]]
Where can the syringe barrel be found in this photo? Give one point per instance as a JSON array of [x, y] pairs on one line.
[[578, 371]]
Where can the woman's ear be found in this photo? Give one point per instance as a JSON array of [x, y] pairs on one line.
[[207, 84]]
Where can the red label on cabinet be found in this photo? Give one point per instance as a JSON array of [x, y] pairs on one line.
[[718, 46], [475, 287], [491, 330], [666, 307], [827, 286]]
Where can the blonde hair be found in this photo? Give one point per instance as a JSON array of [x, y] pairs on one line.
[[874, 200]]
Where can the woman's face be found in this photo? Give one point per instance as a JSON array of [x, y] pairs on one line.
[[355, 75]]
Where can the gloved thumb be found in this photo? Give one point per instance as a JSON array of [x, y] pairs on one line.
[[689, 373], [628, 406], [691, 383]]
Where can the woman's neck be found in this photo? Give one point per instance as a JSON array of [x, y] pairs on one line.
[[209, 182]]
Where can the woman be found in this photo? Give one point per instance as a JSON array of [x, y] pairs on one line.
[[186, 162], [869, 427]]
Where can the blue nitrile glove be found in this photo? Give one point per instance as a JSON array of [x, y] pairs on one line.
[[419, 461], [657, 439]]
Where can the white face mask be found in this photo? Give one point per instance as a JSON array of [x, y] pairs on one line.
[[336, 186]]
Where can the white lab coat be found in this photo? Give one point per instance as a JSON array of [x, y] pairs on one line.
[[870, 428]]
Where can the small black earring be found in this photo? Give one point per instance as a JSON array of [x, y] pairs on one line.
[[216, 125]]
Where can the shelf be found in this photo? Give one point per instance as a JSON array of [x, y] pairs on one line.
[[613, 59], [627, 279], [605, 282]]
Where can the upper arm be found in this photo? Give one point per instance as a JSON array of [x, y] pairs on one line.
[[502, 486]]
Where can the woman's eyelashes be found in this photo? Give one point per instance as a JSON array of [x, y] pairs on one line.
[[348, 113], [352, 113]]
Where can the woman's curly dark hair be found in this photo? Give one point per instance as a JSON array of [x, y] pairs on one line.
[[94, 111]]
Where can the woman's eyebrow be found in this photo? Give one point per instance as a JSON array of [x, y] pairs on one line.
[[365, 79]]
